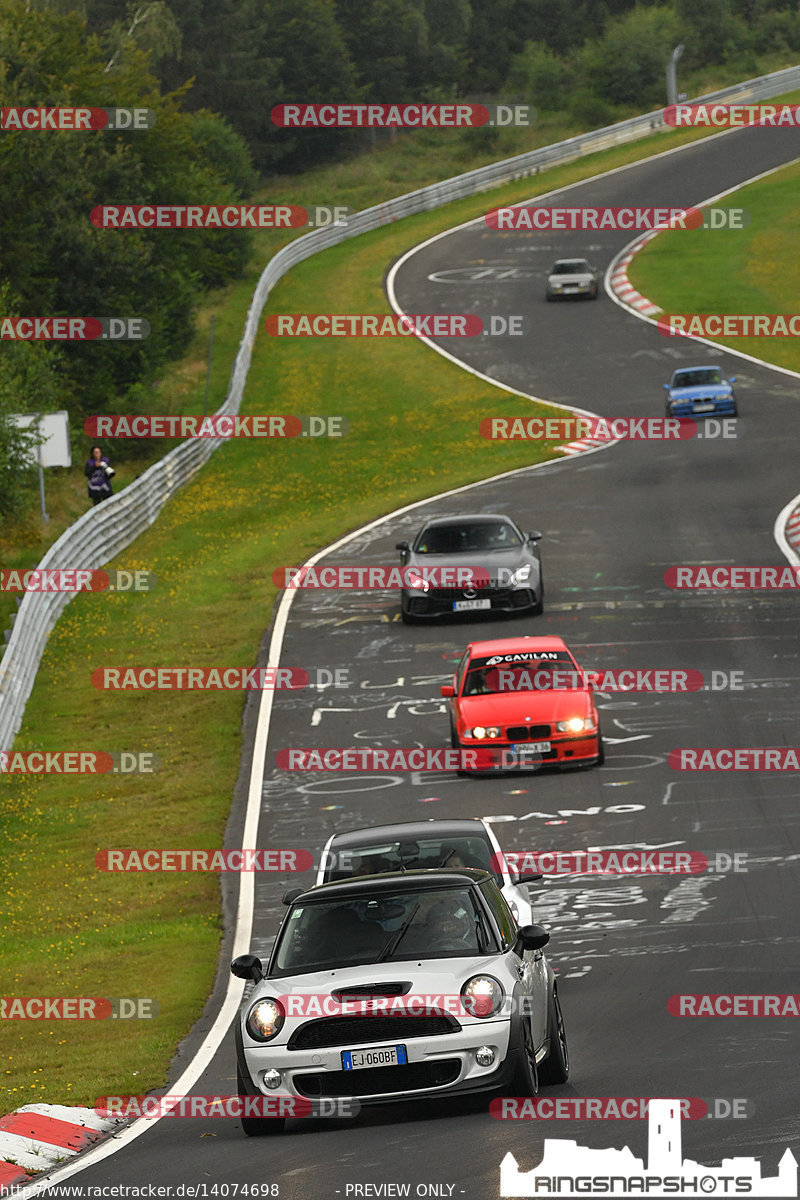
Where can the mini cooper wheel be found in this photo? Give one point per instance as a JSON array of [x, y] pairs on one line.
[[257, 1126], [555, 1068], [525, 1081]]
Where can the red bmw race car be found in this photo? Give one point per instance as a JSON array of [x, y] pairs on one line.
[[527, 700]]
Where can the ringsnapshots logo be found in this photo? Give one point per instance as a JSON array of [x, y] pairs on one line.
[[568, 1169]]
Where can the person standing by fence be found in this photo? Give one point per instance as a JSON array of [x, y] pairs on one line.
[[99, 473]]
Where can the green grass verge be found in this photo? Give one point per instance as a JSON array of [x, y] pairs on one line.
[[733, 271], [68, 929]]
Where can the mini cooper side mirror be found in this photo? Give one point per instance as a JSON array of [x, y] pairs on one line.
[[447, 689], [404, 546], [291, 894], [535, 536], [530, 877], [532, 937], [247, 966], [666, 387], [732, 379]]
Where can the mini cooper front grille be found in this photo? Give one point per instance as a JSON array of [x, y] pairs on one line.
[[346, 1031]]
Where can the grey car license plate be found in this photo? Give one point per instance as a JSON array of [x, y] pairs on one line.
[[469, 605], [383, 1056]]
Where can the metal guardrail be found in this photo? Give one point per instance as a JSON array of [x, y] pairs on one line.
[[96, 537]]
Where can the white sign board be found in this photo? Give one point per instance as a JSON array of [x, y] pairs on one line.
[[54, 450]]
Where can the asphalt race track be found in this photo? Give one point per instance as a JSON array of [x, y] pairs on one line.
[[613, 520]]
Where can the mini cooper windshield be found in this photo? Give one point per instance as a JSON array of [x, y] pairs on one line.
[[429, 923]]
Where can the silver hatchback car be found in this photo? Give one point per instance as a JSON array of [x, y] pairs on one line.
[[385, 988], [572, 277]]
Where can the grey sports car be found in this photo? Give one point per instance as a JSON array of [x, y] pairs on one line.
[[489, 543]]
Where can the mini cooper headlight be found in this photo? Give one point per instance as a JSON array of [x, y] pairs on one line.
[[574, 725], [483, 731], [482, 996], [265, 1020]]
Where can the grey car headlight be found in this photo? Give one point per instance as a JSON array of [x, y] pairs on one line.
[[265, 1020], [520, 575]]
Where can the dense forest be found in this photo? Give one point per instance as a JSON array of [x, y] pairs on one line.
[[212, 70]]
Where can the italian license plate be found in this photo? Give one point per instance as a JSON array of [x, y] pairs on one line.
[[530, 748], [384, 1056], [704, 407], [469, 605]]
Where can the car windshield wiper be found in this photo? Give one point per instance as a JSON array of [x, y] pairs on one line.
[[394, 940]]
